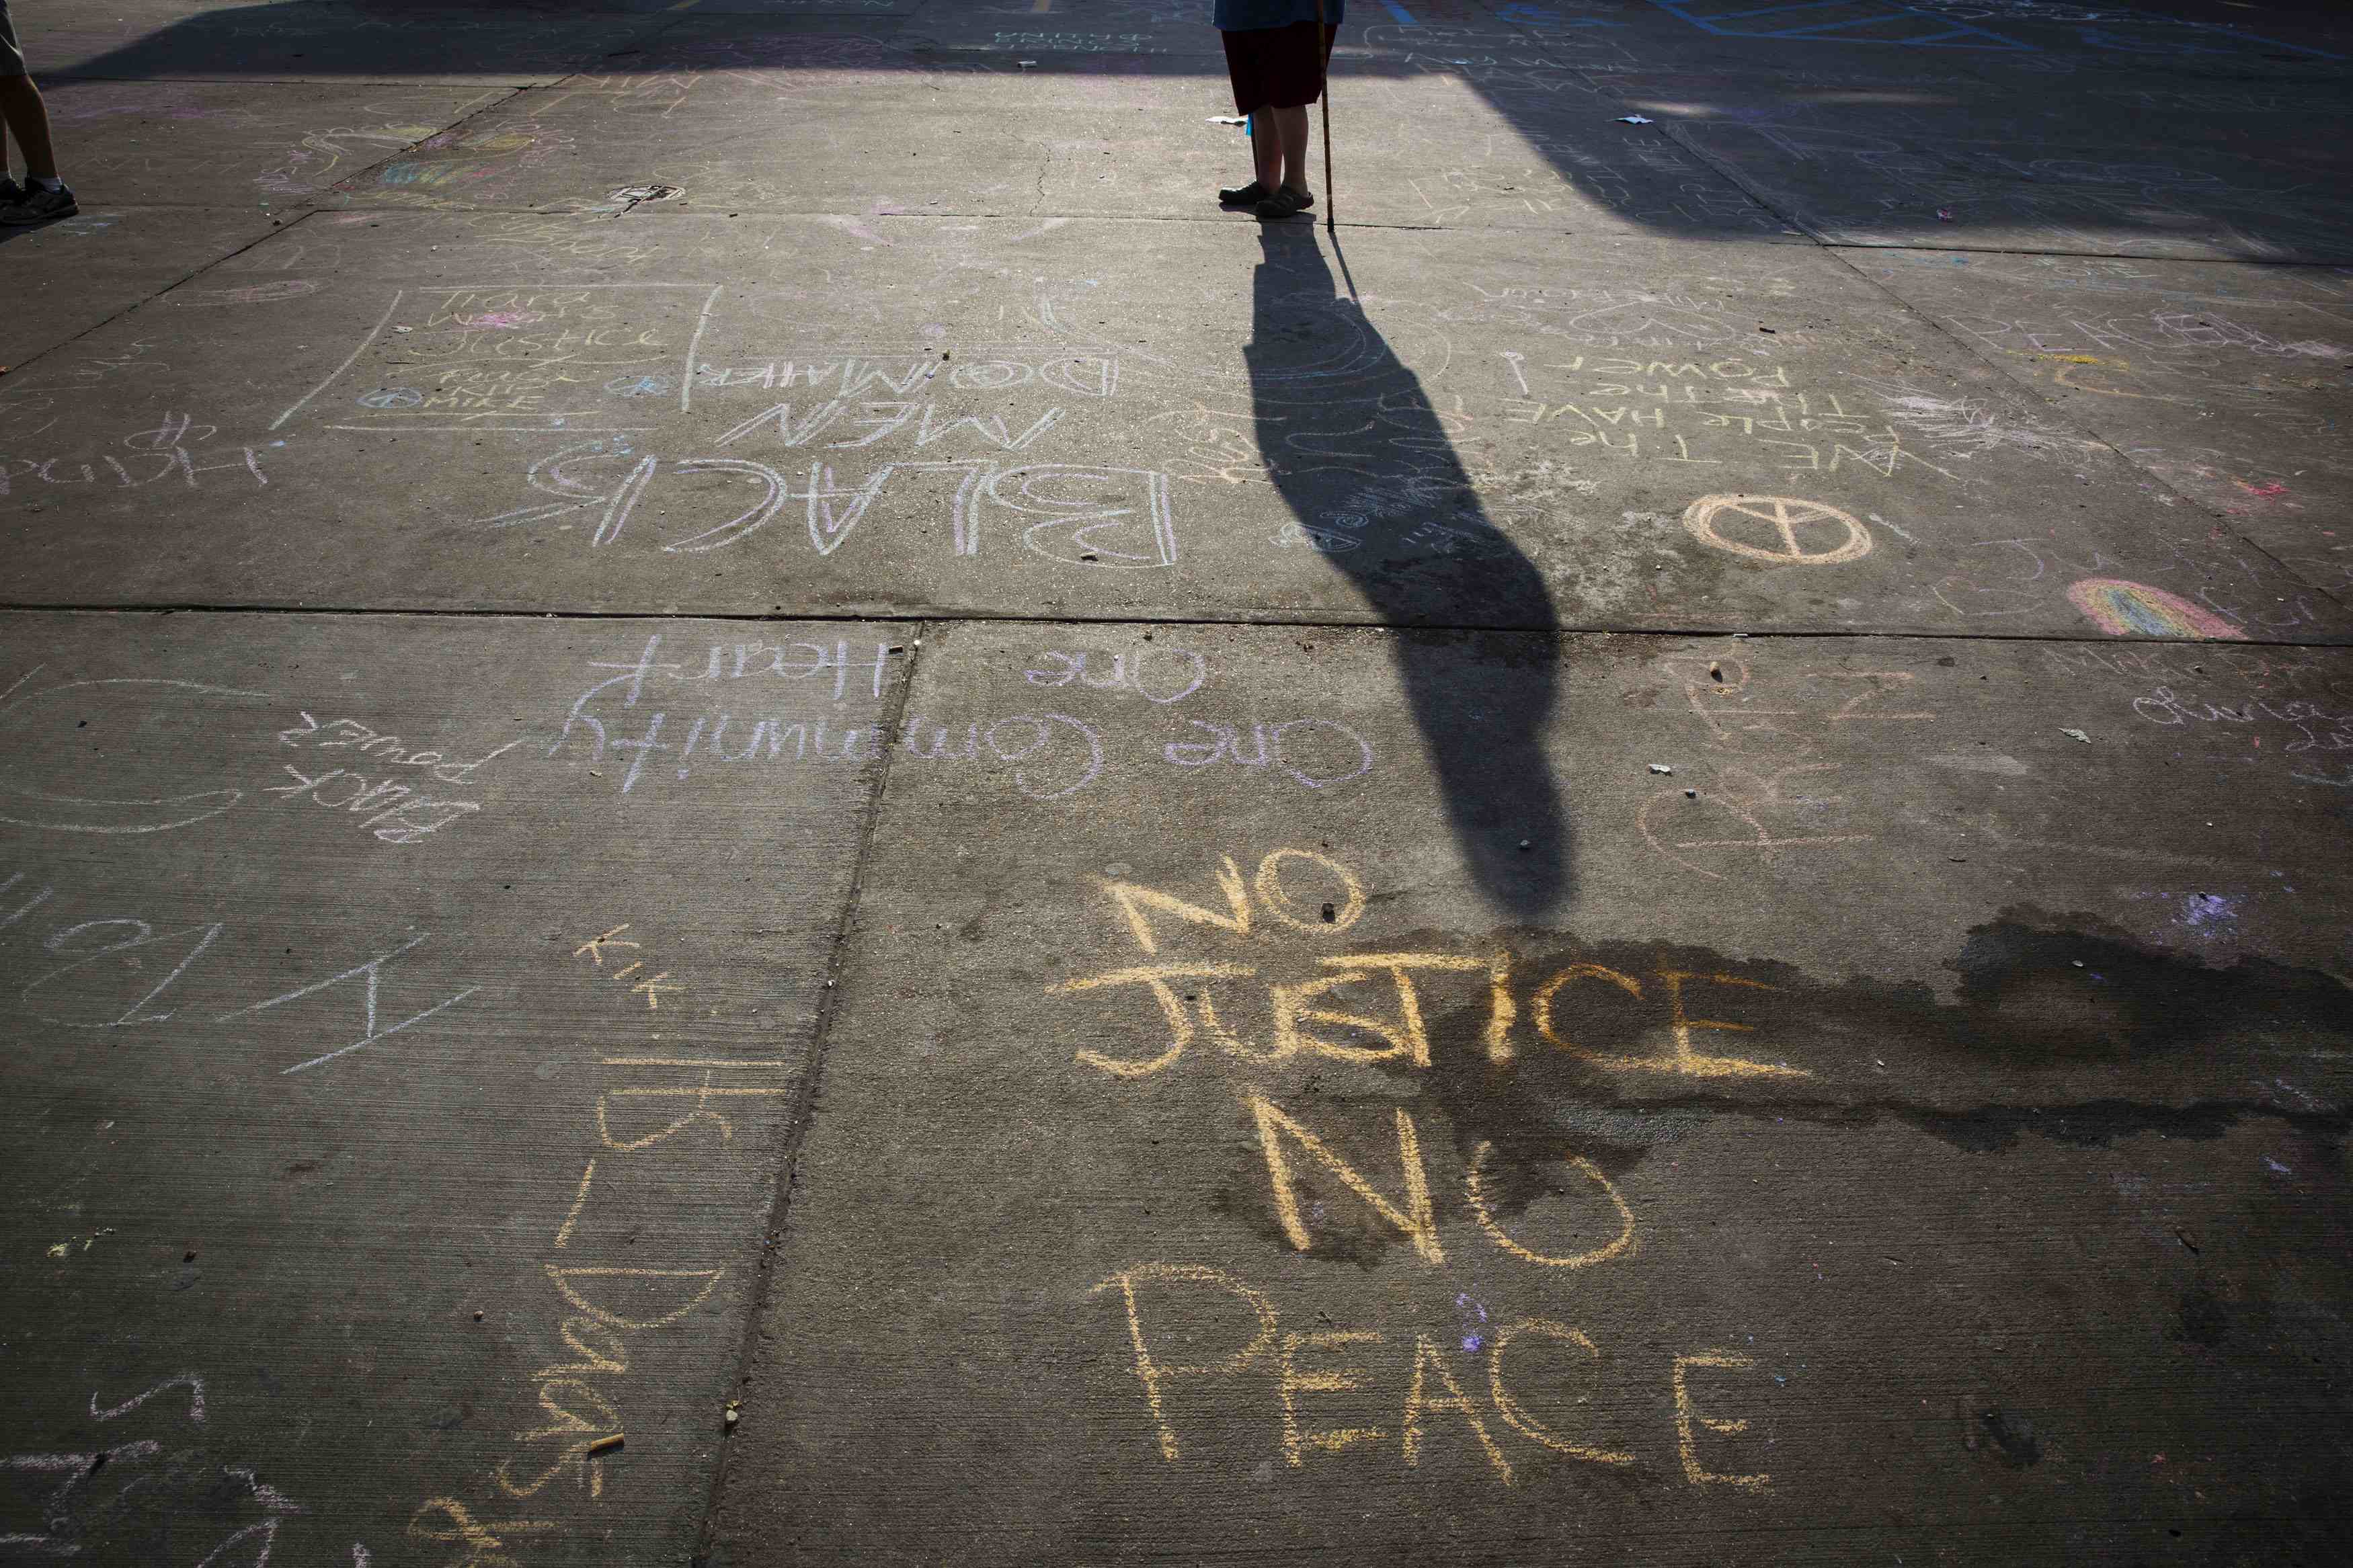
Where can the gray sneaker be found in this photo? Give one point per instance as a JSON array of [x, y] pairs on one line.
[[38, 205]]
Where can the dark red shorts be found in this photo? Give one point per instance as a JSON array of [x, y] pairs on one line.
[[1278, 67]]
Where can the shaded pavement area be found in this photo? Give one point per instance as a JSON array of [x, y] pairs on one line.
[[799, 821]]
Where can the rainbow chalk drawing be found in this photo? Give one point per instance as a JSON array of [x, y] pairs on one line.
[[2125, 609]]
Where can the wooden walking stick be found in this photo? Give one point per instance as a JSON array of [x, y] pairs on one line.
[[1330, 222]]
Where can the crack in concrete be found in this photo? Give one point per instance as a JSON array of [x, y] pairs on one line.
[[801, 1110], [453, 126], [302, 214]]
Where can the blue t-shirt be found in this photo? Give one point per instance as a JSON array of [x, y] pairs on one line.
[[1248, 16]]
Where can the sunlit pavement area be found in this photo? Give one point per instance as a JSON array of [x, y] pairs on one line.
[[757, 807]]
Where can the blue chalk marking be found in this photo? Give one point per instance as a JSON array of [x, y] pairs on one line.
[[1404, 18], [2143, 619]]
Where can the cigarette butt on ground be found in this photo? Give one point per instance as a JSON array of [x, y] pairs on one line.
[[606, 1444]]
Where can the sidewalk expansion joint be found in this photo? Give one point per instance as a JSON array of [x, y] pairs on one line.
[[949, 617], [802, 1106]]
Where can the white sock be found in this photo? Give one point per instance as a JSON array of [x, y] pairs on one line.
[[52, 184]]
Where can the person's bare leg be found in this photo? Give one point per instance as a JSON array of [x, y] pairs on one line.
[[28, 123], [1291, 135], [1266, 152]]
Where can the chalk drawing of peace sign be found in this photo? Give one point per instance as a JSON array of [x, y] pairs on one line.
[[1782, 529]]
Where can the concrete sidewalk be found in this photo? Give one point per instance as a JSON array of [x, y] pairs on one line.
[[756, 806]]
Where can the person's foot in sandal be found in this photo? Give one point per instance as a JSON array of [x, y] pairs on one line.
[[1248, 195], [1284, 203]]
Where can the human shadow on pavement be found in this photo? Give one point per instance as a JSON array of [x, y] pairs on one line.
[[1353, 444]]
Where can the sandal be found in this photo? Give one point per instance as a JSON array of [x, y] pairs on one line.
[[1284, 203], [1248, 195]]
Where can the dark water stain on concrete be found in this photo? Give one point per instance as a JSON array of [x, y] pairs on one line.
[[2092, 1123], [1340, 1224], [2237, 1317], [2034, 991], [2036, 996], [2205, 1320], [2012, 1436], [1342, 1228]]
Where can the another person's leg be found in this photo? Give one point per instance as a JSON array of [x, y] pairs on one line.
[[12, 64], [43, 196], [27, 120]]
